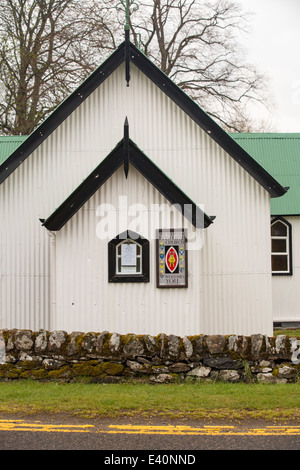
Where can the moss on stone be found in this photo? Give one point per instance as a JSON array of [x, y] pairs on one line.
[[28, 365], [73, 346], [94, 368], [112, 368], [12, 374], [84, 369], [36, 374], [105, 346], [62, 373], [9, 371], [39, 374], [25, 374]]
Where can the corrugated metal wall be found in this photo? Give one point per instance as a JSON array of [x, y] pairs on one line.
[[229, 279], [121, 307], [286, 305]]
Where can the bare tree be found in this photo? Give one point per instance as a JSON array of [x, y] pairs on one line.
[[195, 43], [244, 123], [44, 54], [47, 47]]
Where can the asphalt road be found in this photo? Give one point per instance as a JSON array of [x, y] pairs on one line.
[[152, 442]]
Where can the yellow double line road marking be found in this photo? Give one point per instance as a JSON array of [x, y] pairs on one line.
[[206, 430], [20, 425]]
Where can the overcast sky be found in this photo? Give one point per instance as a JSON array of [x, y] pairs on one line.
[[273, 47]]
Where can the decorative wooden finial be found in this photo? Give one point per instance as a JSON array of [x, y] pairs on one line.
[[126, 6]]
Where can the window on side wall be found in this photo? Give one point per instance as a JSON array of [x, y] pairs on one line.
[[128, 258], [281, 239]]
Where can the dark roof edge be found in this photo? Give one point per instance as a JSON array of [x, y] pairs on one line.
[[85, 190], [218, 134], [285, 215], [106, 168], [61, 112], [168, 188]]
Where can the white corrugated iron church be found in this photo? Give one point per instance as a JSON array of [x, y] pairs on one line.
[[130, 210]]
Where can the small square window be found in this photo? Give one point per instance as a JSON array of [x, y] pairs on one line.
[[279, 245], [279, 263]]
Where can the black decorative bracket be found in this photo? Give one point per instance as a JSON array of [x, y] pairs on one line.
[[126, 147]]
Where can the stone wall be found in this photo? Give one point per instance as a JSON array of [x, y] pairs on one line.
[[112, 358]]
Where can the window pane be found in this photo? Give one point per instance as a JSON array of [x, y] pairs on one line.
[[279, 263], [278, 229], [128, 270], [128, 254], [279, 246]]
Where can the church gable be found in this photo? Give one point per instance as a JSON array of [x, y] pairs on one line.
[[175, 94], [127, 153]]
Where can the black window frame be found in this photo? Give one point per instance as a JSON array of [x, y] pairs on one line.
[[113, 276], [288, 237]]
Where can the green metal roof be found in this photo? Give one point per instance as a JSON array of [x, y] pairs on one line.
[[279, 154], [8, 144]]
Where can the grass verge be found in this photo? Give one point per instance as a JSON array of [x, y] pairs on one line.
[[188, 400], [288, 332]]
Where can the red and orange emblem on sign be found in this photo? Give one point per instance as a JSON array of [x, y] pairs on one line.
[[172, 259]]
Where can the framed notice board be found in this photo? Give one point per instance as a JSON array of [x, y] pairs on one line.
[[171, 258]]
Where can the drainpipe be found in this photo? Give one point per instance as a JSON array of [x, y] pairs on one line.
[[53, 321]]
